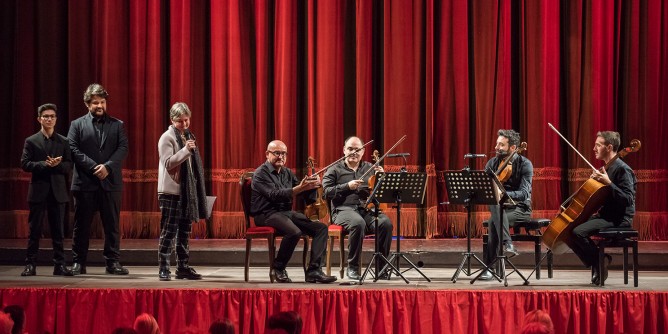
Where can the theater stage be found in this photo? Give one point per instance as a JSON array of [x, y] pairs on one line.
[[97, 303]]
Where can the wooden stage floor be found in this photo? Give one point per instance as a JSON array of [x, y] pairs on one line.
[[144, 277]]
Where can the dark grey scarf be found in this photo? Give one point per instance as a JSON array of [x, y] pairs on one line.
[[192, 202]]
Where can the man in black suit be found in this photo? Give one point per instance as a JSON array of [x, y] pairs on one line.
[[99, 145], [46, 155]]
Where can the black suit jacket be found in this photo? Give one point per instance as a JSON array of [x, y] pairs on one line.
[[33, 160], [88, 152]]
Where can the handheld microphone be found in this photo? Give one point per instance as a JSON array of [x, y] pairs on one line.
[[473, 155], [396, 155], [189, 135]]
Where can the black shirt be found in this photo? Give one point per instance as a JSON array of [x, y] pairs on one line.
[[518, 186], [335, 184], [271, 191], [620, 205]]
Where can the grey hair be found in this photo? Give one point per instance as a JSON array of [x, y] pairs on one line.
[[179, 109]]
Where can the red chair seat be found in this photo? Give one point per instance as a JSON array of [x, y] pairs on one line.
[[259, 230], [333, 228]]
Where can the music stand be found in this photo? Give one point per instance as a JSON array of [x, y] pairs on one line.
[[468, 187], [377, 254], [401, 188], [500, 257]]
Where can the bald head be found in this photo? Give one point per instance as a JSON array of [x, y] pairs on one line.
[[277, 153]]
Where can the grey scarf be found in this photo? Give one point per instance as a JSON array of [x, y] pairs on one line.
[[192, 202]]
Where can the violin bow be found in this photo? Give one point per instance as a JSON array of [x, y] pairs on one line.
[[341, 158], [383, 157]]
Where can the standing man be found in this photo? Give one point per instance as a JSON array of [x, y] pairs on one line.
[[47, 156], [617, 210], [99, 145], [344, 186], [518, 187], [272, 190]]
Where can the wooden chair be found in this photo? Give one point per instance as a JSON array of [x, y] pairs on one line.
[[336, 232], [260, 232]]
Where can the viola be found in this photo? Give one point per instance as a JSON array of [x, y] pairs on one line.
[[319, 209], [505, 169], [580, 206]]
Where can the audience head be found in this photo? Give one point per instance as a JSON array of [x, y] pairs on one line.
[[540, 317], [18, 315], [6, 323], [535, 328], [285, 322], [146, 324], [124, 330], [221, 326]]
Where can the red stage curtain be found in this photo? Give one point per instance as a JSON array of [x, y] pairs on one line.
[[447, 74], [340, 311]]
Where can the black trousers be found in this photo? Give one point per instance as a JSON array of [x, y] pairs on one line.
[[358, 223], [55, 214], [291, 225], [510, 217], [582, 245], [85, 205]]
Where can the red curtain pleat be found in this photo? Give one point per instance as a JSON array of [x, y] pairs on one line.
[[448, 74]]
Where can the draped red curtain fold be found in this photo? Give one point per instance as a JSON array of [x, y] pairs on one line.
[[448, 74]]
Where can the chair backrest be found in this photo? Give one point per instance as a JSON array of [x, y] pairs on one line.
[[245, 193]]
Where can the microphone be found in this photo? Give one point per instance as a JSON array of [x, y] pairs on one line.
[[189, 136], [474, 155], [396, 155]]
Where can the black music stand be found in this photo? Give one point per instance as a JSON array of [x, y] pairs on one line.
[[377, 254], [500, 257], [400, 188], [468, 187]]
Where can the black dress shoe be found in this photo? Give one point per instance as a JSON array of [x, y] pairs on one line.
[[78, 268], [597, 276], [29, 270], [280, 276], [115, 268], [510, 250], [61, 270], [353, 274], [486, 276], [317, 276], [187, 273], [164, 274]]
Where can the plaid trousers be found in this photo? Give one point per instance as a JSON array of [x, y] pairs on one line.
[[172, 225]]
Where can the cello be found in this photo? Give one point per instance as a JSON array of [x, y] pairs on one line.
[[581, 205], [319, 209]]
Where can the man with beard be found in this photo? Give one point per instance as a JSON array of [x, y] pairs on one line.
[[99, 145], [518, 187]]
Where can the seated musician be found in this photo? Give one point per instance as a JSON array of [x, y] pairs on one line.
[[618, 209], [348, 193], [272, 189], [518, 187]]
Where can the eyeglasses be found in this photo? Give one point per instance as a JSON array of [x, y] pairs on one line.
[[279, 153], [49, 116], [352, 149]]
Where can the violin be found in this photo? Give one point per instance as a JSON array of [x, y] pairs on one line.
[[319, 209], [505, 169], [581, 205], [372, 180]]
